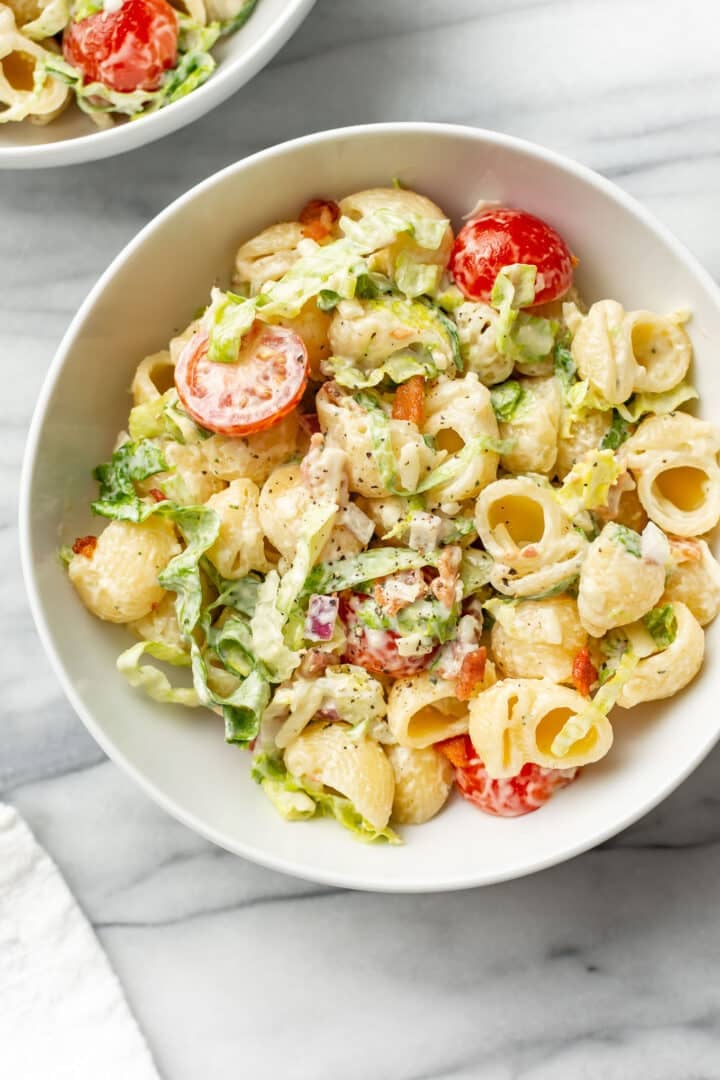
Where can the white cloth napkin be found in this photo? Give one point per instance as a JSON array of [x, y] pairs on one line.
[[63, 1015]]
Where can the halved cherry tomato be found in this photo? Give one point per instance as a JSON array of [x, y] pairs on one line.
[[517, 795], [125, 50], [375, 650], [264, 385], [500, 238], [472, 672]]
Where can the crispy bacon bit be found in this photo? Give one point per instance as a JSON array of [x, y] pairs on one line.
[[409, 403], [315, 661], [471, 674], [444, 587], [318, 218], [399, 590], [459, 751], [684, 551], [584, 672], [158, 495], [85, 545], [310, 422]]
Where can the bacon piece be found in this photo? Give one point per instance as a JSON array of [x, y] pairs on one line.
[[315, 661], [85, 545], [459, 750], [444, 587], [158, 495], [398, 591], [409, 403], [318, 219], [584, 672], [472, 672]]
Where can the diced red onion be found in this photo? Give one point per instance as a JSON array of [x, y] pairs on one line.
[[321, 616]]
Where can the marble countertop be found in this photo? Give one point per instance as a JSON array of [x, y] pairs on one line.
[[604, 967]]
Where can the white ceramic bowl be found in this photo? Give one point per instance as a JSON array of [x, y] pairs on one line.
[[73, 137], [149, 292]]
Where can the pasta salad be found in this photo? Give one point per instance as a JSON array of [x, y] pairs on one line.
[[410, 514], [114, 58]]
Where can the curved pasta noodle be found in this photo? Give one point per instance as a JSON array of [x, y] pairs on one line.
[[118, 582], [516, 721], [358, 769], [603, 353], [617, 585], [284, 498], [674, 461], [694, 581], [240, 545], [252, 457], [403, 202], [153, 376], [161, 624], [667, 672], [346, 425], [457, 411], [368, 332], [423, 781], [189, 480], [523, 527], [423, 710], [577, 436], [662, 351], [536, 638], [534, 429], [25, 91], [267, 256], [313, 326], [476, 327]]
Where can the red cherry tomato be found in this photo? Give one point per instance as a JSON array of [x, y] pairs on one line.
[[375, 650], [125, 50], [502, 237], [521, 794], [237, 399]]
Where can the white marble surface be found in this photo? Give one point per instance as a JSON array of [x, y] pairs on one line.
[[605, 967]]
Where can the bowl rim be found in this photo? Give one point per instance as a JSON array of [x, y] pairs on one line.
[[342, 879], [223, 82]]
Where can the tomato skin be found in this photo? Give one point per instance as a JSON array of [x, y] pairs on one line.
[[502, 237], [253, 394], [375, 650], [512, 797], [125, 50]]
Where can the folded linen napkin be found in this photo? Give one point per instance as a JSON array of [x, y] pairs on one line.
[[63, 1015]]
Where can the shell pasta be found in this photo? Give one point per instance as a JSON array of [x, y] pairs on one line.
[[413, 523]]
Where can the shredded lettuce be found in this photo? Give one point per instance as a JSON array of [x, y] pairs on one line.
[[660, 404], [564, 367], [200, 527], [131, 463], [345, 573], [524, 337], [226, 320], [661, 624], [588, 483], [616, 434], [238, 20], [150, 679], [381, 227], [242, 709], [296, 799], [164, 417], [506, 399], [328, 299], [630, 540], [334, 267], [475, 570], [385, 456], [399, 367], [415, 278], [578, 726]]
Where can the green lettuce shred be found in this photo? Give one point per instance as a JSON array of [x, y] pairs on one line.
[[130, 464], [587, 485], [629, 539], [661, 624], [660, 404], [578, 726], [150, 679], [345, 573], [616, 434], [506, 399]]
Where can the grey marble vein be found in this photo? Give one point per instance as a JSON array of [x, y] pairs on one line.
[[605, 967]]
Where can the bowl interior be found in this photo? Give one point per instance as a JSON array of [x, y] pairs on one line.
[[150, 292], [238, 57]]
